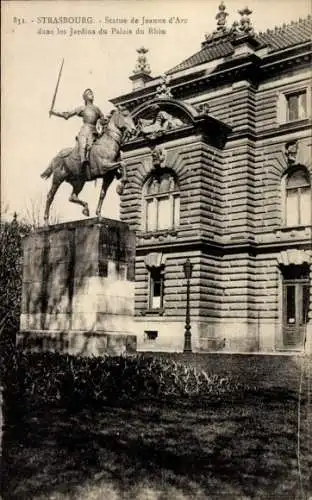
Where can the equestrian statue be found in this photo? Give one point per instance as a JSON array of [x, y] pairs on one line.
[[96, 153]]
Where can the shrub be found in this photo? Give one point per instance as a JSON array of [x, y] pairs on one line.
[[70, 381]]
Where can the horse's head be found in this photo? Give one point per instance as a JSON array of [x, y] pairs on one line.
[[122, 120]]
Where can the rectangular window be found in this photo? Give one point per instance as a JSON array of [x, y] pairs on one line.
[[176, 211], [296, 303], [298, 206], [150, 335], [151, 215], [305, 206], [292, 107], [156, 298], [164, 213], [292, 208], [296, 106]]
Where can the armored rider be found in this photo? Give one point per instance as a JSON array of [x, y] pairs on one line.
[[90, 115]]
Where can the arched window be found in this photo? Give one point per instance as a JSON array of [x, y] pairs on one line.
[[297, 198], [161, 202]]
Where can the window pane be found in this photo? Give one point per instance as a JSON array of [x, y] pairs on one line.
[[156, 292], [298, 178], [151, 215], [176, 211], [166, 183], [153, 186], [296, 272], [305, 303], [292, 215], [155, 303], [157, 287], [305, 206], [291, 304], [292, 102], [302, 111], [112, 270], [164, 213]]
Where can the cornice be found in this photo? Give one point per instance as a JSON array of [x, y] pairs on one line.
[[275, 131], [251, 67], [294, 51], [274, 65], [218, 248], [225, 73]]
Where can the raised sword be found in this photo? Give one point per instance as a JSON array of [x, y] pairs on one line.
[[56, 89]]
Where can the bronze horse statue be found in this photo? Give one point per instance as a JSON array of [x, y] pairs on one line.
[[104, 162]]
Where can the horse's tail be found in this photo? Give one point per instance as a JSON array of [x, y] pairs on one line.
[[55, 163], [46, 174]]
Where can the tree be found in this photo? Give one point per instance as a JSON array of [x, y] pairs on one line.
[[34, 213], [11, 260], [11, 234]]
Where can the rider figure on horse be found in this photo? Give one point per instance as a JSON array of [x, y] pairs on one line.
[[90, 114]]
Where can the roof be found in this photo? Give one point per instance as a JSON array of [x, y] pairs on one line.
[[279, 38]]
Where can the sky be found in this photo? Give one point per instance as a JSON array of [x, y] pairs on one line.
[[31, 61]]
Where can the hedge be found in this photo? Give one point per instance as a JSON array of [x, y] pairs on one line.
[[65, 380]]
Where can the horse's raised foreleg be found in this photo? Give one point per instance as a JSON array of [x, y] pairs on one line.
[[50, 197], [105, 185], [77, 187], [123, 179]]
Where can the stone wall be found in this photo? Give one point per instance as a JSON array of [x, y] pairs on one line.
[[231, 218]]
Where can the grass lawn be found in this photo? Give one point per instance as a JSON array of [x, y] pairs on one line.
[[235, 449]]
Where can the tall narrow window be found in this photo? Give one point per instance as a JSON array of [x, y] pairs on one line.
[[298, 198], [156, 295], [162, 202], [296, 106]]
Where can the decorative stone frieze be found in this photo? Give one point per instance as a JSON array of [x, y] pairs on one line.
[[294, 256]]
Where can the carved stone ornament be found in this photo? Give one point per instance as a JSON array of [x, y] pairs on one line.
[[235, 30], [203, 108], [142, 65], [291, 152], [221, 17], [162, 90], [295, 257], [154, 260], [245, 25], [160, 123], [221, 29], [158, 157]]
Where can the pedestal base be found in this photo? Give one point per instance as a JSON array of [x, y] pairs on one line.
[[78, 288]]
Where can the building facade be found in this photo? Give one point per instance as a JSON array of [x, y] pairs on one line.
[[220, 173]]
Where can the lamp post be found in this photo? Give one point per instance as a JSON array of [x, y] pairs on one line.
[[187, 266]]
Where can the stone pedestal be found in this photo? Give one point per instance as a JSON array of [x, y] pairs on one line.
[[78, 288]]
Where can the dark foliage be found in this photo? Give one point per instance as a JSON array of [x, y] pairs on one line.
[[74, 382], [11, 235]]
